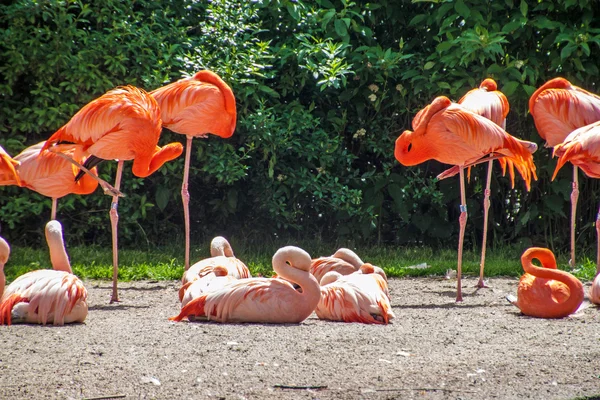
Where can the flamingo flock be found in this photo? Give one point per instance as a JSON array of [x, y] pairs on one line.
[[125, 124]]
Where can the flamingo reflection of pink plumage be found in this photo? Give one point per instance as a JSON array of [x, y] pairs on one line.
[[221, 256], [216, 279], [263, 300], [359, 297], [343, 261], [44, 296]]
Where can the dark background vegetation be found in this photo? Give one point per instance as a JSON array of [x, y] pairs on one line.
[[323, 89]]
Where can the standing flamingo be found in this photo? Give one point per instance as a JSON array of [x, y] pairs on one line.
[[49, 174], [546, 292], [558, 108], [359, 297], [488, 102], [44, 296], [451, 134], [123, 124], [195, 107], [266, 300], [344, 261]]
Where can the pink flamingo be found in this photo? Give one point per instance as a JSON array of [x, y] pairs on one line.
[[8, 168], [44, 296], [344, 261], [216, 279], [265, 300], [195, 107]]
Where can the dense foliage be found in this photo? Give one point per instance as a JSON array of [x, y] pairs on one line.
[[323, 89]]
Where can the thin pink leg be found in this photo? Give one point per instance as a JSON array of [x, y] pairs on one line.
[[185, 197], [486, 207], [462, 220], [574, 197], [114, 221], [54, 207]]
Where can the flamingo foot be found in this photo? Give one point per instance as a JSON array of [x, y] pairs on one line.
[[481, 284], [114, 299]]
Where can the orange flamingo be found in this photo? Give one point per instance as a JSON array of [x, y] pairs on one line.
[[488, 102], [195, 107], [266, 300], [451, 134], [123, 124], [44, 296], [344, 261], [216, 279], [8, 171], [359, 297], [221, 256], [49, 174], [546, 292], [558, 108]]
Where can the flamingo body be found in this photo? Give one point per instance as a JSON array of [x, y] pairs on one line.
[[595, 290], [216, 279], [343, 261], [581, 148]]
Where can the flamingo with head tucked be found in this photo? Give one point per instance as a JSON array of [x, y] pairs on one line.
[[451, 134], [343, 261], [123, 124], [217, 278], [558, 108], [546, 292], [195, 107], [53, 296], [265, 300]]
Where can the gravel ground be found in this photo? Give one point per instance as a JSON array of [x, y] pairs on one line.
[[435, 349]]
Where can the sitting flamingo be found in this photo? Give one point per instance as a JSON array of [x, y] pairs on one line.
[[266, 300], [359, 297], [216, 279], [44, 296], [344, 261], [221, 255], [546, 292]]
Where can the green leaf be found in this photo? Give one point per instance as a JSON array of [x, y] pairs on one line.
[[462, 9], [446, 45], [510, 87], [428, 65], [340, 28], [162, 196], [523, 7], [512, 26], [555, 203]]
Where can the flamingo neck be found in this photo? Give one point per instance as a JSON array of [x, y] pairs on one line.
[[219, 246], [293, 264], [4, 254], [56, 245], [350, 257]]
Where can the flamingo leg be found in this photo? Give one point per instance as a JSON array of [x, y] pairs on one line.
[[185, 197], [486, 207], [574, 197], [54, 207], [114, 221], [462, 220]]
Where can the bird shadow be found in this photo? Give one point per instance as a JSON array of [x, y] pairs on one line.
[[113, 307], [135, 288]]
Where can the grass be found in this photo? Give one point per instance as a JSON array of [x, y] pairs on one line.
[[167, 263]]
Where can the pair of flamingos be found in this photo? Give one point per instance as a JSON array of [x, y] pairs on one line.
[[466, 133], [124, 124], [220, 288]]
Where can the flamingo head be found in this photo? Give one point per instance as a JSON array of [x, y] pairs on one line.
[[489, 85]]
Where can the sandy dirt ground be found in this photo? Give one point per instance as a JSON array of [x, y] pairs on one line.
[[435, 349]]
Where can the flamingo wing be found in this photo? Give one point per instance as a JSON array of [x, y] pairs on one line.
[[582, 148], [320, 266]]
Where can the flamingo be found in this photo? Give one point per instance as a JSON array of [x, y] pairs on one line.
[[344, 261], [218, 277], [8, 168], [359, 297], [49, 174], [221, 256], [44, 296], [488, 102], [451, 134], [195, 107], [265, 300], [558, 108], [122, 124], [546, 292]]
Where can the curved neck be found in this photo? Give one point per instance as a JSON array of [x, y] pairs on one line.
[[56, 245], [293, 264], [549, 271], [349, 256], [219, 246]]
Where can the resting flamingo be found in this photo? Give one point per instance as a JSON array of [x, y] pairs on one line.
[[488, 102], [195, 107], [265, 300], [123, 124], [546, 292], [344, 261], [221, 256], [44, 296], [358, 297], [51, 175], [451, 134], [217, 278], [558, 108]]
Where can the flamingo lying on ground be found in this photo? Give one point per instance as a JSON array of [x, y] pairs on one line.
[[266, 300], [488, 102], [358, 297], [50, 174], [343, 261], [216, 279], [221, 256], [451, 134], [558, 108], [44, 296], [195, 107], [123, 124], [546, 292]]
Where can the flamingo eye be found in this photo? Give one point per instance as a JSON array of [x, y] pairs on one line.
[[409, 147]]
